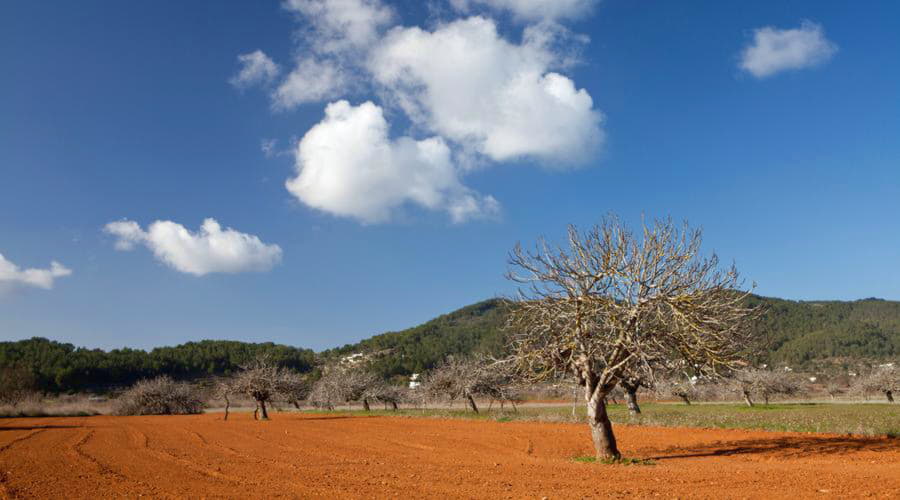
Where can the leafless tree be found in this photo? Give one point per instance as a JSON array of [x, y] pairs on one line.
[[613, 304], [159, 396], [766, 384], [327, 391], [16, 384], [343, 384], [265, 381], [884, 379], [225, 389], [833, 389], [453, 379], [360, 385], [389, 394], [679, 387], [630, 386]]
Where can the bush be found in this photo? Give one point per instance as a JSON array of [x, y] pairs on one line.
[[159, 396]]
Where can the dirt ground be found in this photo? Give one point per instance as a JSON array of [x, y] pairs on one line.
[[298, 455]]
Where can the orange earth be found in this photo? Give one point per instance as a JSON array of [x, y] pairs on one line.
[[305, 455]]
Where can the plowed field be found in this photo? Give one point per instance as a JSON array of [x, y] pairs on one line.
[[306, 455]]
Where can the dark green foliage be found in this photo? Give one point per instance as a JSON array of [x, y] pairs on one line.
[[798, 332], [473, 329], [60, 367]]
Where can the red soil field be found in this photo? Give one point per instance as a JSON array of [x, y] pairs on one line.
[[301, 455]]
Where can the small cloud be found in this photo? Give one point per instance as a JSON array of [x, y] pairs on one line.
[[256, 69], [775, 50], [311, 80], [531, 10], [209, 250], [11, 275]]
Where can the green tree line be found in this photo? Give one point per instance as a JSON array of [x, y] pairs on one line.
[[60, 367]]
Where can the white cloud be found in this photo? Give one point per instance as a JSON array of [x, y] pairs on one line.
[[342, 25], [348, 166], [774, 50], [466, 83], [310, 81], [532, 10], [256, 69], [11, 275], [210, 250]]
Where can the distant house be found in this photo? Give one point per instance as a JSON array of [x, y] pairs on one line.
[[414, 381], [352, 359]]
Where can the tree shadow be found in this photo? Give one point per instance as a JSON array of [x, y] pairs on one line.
[[786, 447], [35, 427]]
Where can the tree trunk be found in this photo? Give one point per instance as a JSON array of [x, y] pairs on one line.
[[890, 396], [472, 403], [264, 414], [601, 428], [685, 399], [227, 406], [747, 399], [766, 399], [366, 404], [394, 405], [631, 400]]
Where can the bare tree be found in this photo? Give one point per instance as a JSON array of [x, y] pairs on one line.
[[766, 384], [631, 385], [389, 394], [453, 379], [884, 379], [612, 305], [342, 384], [360, 385], [225, 389], [833, 389], [17, 382], [265, 381], [159, 396], [679, 387], [327, 391]]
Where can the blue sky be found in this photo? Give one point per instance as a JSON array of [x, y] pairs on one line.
[[136, 112]]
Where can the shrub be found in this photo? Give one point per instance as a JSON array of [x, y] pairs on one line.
[[159, 396]]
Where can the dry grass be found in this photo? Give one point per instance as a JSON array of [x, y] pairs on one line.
[[844, 418], [78, 405]]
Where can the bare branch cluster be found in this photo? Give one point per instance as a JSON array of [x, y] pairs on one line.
[[461, 378], [766, 384], [266, 382], [611, 305], [159, 396], [884, 380]]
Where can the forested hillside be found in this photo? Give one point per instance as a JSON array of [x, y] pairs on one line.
[[474, 328], [64, 367], [798, 333]]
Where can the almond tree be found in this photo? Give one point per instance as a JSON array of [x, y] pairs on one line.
[[265, 381], [766, 384], [612, 304], [884, 379]]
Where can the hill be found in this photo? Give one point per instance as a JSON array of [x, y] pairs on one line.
[[799, 333], [60, 367]]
